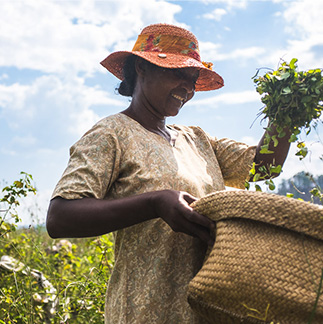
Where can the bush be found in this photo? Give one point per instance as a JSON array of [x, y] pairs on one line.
[[50, 281]]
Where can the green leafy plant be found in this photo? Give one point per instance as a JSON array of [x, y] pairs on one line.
[[266, 174], [10, 201], [49, 281], [292, 100]]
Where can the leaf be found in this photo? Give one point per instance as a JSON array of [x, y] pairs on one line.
[[275, 140], [253, 169], [287, 90], [275, 169], [256, 177], [285, 75], [270, 184], [281, 134], [293, 64], [316, 192], [293, 138], [258, 188], [302, 152], [265, 150]]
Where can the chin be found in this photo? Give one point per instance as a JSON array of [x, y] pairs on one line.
[[174, 112]]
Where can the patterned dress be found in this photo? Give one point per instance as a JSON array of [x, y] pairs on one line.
[[153, 264]]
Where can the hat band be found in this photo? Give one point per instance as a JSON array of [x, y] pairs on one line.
[[167, 44]]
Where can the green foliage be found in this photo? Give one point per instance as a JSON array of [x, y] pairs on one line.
[[304, 186], [10, 200], [265, 174], [293, 101], [77, 272]]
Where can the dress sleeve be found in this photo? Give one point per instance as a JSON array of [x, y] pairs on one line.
[[235, 160], [93, 165]]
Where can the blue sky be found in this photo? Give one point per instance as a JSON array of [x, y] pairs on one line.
[[52, 87]]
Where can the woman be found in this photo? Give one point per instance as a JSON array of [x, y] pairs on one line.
[[136, 176]]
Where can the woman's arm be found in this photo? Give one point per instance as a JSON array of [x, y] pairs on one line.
[[280, 151], [92, 217]]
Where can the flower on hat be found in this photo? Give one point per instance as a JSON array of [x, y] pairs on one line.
[[151, 44], [208, 65]]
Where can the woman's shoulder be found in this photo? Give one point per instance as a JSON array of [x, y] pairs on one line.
[[191, 131], [110, 125], [113, 121]]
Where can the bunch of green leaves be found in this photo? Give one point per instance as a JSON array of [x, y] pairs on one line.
[[264, 174], [11, 200], [293, 101]]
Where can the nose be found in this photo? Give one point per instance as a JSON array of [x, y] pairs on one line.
[[189, 85], [188, 78]]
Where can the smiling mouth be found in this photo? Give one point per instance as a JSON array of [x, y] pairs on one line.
[[178, 98]]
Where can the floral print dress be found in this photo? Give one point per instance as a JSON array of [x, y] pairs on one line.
[[153, 264]]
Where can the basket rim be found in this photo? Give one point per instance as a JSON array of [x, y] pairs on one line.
[[300, 216]]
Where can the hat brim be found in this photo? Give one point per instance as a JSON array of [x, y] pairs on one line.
[[208, 79]]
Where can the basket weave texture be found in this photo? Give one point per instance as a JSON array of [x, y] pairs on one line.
[[267, 261]]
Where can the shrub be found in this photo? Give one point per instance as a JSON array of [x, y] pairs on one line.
[[50, 281]]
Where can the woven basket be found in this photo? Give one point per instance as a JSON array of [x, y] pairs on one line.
[[267, 261]]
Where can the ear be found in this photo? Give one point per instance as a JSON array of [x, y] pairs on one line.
[[141, 66]]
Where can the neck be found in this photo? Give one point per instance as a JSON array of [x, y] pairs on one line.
[[151, 123], [146, 117]]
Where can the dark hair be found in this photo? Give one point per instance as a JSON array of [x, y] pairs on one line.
[[127, 86]]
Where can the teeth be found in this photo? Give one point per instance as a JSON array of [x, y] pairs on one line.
[[178, 97]]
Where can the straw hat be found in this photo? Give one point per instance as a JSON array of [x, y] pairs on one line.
[[167, 46]]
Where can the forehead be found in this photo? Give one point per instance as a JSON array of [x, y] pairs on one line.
[[187, 72]]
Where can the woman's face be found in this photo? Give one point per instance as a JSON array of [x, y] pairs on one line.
[[165, 91]]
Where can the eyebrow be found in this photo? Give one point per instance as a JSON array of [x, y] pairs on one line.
[[182, 73]]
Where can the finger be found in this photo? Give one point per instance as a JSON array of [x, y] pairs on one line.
[[194, 217], [199, 232]]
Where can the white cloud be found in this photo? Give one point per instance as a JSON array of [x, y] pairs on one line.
[[216, 14], [50, 106], [227, 98], [244, 53], [241, 4], [249, 140], [212, 52], [25, 140], [304, 29], [305, 20], [72, 36], [4, 76]]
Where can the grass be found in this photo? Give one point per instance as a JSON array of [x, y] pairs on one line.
[[77, 273]]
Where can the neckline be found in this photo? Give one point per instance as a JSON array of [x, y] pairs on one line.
[[170, 127]]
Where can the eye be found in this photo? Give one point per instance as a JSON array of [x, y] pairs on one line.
[[186, 74]]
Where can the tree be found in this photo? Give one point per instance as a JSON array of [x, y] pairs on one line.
[[303, 185]]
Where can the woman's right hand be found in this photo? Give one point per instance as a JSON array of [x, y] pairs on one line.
[[174, 208], [92, 217]]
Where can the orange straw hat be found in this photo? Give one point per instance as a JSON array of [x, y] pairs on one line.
[[167, 46]]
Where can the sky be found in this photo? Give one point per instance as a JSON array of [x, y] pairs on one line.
[[53, 89]]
